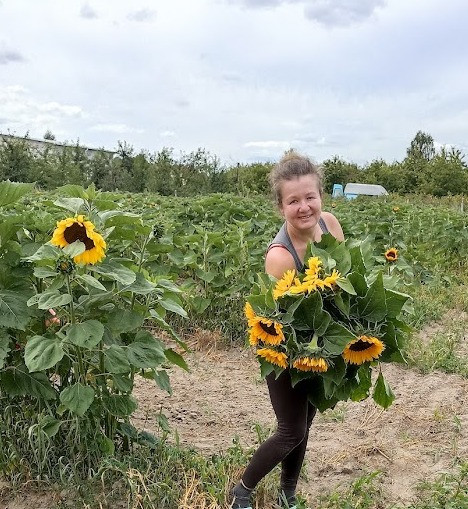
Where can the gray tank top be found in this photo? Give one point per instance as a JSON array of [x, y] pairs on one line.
[[282, 238]]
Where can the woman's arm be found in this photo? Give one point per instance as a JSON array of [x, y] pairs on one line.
[[278, 260]]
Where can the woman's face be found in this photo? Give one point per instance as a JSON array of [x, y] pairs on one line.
[[301, 203]]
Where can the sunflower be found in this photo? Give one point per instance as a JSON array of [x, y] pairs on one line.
[[391, 254], [313, 266], [284, 284], [262, 328], [396, 209], [76, 228], [331, 279], [363, 349], [278, 358], [311, 364]]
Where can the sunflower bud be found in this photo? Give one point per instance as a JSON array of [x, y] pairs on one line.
[[65, 265]]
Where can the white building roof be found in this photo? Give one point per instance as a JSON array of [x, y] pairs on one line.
[[367, 189]]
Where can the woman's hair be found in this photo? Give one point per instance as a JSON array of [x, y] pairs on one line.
[[292, 165]]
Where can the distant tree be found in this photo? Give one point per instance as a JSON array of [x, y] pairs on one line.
[[447, 174], [337, 171], [49, 135], [421, 147], [16, 160]]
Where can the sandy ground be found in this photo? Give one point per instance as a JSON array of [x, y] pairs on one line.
[[416, 439], [222, 397]]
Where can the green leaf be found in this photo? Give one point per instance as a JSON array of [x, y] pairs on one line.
[[357, 261], [165, 326], [115, 271], [43, 272], [199, 304], [359, 283], [74, 249], [50, 425], [291, 309], [311, 313], [316, 395], [49, 300], [14, 311], [176, 358], [141, 285], [372, 307], [120, 405], [395, 302], [71, 204], [77, 398], [168, 285], [383, 394], [86, 334], [162, 379], [4, 346], [122, 382], [115, 360], [45, 252], [342, 303], [124, 320], [173, 306], [92, 281], [73, 190], [365, 383], [336, 338], [11, 192], [146, 353], [265, 367], [346, 285], [336, 371], [17, 381], [42, 353]]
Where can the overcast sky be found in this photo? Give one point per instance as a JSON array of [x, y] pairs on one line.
[[244, 79]]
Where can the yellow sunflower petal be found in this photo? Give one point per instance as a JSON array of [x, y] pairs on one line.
[[278, 358], [363, 349], [72, 229], [316, 364], [284, 284]]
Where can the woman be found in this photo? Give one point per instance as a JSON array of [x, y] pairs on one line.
[[296, 184]]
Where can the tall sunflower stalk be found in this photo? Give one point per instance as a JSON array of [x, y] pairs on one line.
[[332, 323]]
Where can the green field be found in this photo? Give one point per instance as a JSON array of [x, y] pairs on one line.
[[173, 266]]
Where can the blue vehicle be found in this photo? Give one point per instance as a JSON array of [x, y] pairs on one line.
[[353, 190]]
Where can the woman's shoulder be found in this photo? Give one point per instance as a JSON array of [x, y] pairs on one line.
[[333, 225], [278, 260]]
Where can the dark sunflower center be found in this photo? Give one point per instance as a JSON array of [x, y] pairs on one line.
[[391, 254], [270, 329], [78, 232], [360, 345]]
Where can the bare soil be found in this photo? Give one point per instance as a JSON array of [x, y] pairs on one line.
[[416, 439], [419, 437]]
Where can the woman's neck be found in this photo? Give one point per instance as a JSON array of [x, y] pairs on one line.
[[302, 236]]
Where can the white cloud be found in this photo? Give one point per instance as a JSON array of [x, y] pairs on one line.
[[115, 128], [88, 12], [167, 134], [142, 15], [341, 12]]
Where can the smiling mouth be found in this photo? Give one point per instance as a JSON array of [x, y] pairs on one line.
[[305, 217]]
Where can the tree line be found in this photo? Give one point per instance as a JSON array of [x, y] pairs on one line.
[[423, 170]]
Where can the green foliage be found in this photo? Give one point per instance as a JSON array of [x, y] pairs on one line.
[[72, 336]]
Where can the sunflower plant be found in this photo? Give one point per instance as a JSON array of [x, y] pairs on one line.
[[78, 314], [334, 323]]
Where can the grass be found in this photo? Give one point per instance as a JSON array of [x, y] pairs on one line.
[[440, 351]]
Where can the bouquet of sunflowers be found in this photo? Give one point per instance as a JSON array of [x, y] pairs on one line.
[[334, 323]]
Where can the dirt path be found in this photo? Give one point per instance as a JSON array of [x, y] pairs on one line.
[[416, 439]]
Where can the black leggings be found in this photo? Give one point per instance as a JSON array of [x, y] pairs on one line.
[[288, 444]]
